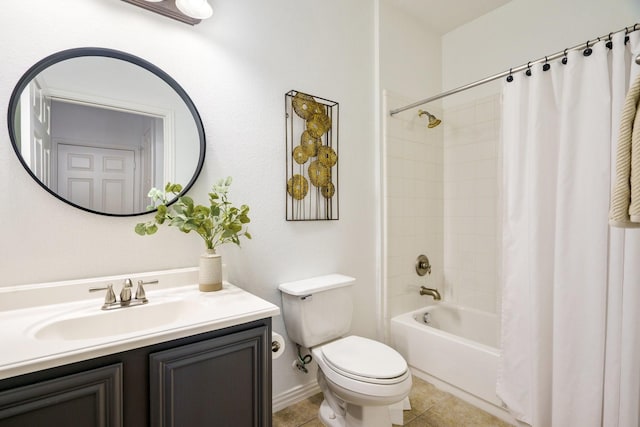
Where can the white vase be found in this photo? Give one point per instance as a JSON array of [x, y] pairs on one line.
[[210, 272]]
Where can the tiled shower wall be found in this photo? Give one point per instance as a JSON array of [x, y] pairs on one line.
[[471, 215], [441, 200], [414, 206]]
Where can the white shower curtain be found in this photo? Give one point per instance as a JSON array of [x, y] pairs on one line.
[[571, 285]]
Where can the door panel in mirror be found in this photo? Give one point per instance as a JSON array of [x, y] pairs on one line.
[[79, 116]]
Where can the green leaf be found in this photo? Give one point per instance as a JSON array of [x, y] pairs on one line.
[[217, 222], [141, 229]]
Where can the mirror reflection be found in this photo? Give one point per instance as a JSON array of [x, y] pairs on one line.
[[99, 128]]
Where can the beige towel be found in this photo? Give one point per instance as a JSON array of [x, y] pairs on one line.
[[625, 199]]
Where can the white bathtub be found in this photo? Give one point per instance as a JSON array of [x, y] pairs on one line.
[[458, 351]]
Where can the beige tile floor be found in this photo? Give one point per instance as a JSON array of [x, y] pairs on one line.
[[430, 407]]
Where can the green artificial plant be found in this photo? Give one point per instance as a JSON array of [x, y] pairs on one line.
[[218, 223]]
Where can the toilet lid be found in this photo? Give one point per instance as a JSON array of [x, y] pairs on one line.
[[364, 358]]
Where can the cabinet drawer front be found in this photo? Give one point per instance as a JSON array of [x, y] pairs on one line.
[[90, 398], [220, 382]]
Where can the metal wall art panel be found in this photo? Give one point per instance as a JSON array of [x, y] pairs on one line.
[[312, 157]]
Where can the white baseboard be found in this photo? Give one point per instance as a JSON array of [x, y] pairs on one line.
[[294, 395]]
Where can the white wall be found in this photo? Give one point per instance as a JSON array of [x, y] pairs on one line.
[[236, 68], [524, 30], [472, 228], [410, 55]]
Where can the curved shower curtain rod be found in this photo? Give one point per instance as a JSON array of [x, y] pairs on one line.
[[511, 71]]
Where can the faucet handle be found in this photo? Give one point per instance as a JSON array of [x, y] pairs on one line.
[[110, 297], [140, 294], [423, 266]]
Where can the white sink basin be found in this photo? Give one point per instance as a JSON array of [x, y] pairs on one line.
[[52, 324], [95, 323]]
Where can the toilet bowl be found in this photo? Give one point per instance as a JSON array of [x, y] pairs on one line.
[[359, 377]]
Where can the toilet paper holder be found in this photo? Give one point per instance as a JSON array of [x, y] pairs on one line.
[[277, 345]]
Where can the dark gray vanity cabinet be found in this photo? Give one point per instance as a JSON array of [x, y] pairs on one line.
[[219, 378], [216, 382], [90, 398]]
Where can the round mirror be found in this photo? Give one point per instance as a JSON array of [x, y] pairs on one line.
[[98, 128]]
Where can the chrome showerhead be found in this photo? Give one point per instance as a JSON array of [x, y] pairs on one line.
[[433, 120]]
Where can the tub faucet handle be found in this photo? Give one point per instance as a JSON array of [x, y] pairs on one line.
[[423, 266]]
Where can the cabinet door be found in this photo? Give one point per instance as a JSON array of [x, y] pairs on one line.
[[221, 382], [87, 399]]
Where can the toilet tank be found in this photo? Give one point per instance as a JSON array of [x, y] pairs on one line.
[[317, 310]]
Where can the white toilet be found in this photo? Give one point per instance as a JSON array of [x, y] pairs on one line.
[[360, 378]]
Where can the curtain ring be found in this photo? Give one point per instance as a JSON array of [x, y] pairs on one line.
[[588, 51], [510, 77], [626, 35], [565, 59], [546, 65], [528, 72], [610, 42]]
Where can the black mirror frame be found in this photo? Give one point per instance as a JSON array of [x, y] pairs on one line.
[[50, 60]]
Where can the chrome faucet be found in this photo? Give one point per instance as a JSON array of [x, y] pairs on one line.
[[125, 293], [431, 292], [110, 301]]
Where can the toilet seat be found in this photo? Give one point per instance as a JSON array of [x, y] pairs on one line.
[[365, 360], [355, 368]]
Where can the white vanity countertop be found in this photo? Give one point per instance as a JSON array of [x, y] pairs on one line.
[[35, 336]]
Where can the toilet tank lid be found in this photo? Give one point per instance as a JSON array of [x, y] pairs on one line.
[[316, 284]]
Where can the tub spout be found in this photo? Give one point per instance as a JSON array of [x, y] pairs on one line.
[[431, 292]]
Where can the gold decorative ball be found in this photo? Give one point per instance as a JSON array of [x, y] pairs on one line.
[[304, 105], [310, 143], [319, 174], [300, 155], [319, 108], [297, 187], [327, 156], [328, 190], [318, 125]]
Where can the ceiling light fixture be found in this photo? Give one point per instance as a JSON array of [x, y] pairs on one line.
[[198, 9], [187, 11]]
